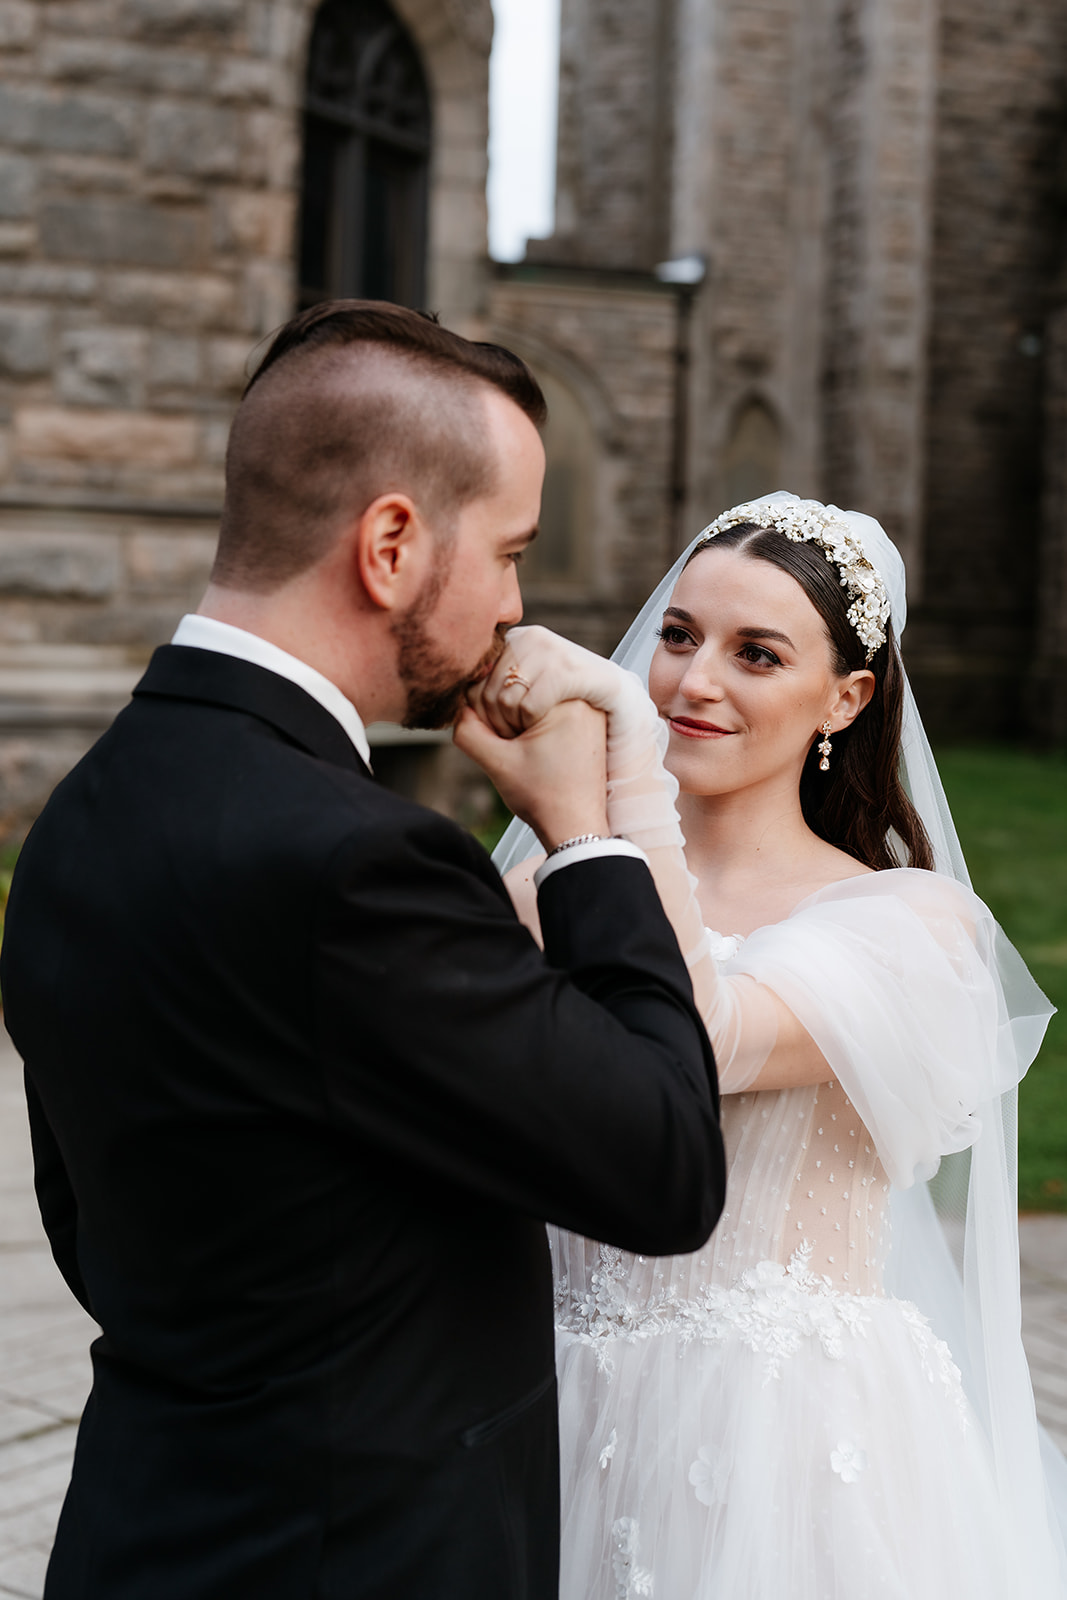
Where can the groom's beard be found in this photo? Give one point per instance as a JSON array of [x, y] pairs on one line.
[[435, 684]]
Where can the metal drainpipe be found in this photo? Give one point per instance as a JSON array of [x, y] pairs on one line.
[[686, 274]]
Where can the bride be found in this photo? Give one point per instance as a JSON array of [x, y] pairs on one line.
[[830, 1399]]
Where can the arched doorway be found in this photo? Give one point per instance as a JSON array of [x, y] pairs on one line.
[[562, 550], [751, 460], [367, 131]]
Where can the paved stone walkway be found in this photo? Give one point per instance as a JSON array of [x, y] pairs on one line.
[[44, 1339]]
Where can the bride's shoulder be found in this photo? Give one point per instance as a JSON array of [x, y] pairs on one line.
[[932, 896]]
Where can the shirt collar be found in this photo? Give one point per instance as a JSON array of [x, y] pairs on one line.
[[206, 633]]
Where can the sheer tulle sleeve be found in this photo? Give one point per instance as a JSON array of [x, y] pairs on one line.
[[741, 1018], [897, 979]]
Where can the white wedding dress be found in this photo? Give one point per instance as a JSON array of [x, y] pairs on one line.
[[760, 1420], [830, 1400]]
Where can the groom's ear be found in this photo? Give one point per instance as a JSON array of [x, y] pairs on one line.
[[387, 548]]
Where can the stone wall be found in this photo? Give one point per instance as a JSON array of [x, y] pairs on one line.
[[149, 155], [881, 103], [1047, 696], [611, 340], [1002, 111], [756, 325], [615, 129]]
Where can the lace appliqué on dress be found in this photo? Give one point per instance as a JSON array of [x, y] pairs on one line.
[[772, 1309], [630, 1579], [936, 1359]]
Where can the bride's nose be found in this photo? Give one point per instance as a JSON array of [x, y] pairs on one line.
[[702, 679]]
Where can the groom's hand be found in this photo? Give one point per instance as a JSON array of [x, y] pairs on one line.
[[553, 776]]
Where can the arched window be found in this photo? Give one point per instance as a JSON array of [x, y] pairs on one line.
[[560, 553], [751, 462], [366, 157]]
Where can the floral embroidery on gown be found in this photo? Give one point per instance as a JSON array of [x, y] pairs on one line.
[[761, 1420]]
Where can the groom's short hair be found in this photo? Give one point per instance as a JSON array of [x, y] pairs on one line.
[[352, 399]]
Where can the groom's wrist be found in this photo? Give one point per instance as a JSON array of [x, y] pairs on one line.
[[591, 850], [559, 832]]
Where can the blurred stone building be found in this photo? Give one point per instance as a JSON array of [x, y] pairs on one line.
[[813, 244]]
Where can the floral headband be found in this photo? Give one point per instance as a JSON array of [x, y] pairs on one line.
[[809, 522]]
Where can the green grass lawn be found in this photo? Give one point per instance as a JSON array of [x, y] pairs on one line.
[[1010, 808]]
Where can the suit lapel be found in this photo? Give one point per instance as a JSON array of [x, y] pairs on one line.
[[180, 672]]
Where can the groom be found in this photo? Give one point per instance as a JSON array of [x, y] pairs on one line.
[[302, 1090]]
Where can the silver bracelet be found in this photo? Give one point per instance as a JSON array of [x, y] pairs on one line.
[[581, 838]]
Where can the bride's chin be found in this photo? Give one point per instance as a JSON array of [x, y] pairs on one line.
[[697, 773]]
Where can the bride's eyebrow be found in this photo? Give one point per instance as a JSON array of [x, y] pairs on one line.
[[766, 633], [676, 611]]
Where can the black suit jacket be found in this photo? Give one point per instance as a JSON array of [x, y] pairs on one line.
[[302, 1091]]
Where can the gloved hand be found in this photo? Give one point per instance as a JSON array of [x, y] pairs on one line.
[[538, 670]]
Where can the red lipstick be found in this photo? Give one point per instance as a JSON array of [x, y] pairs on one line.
[[693, 728]]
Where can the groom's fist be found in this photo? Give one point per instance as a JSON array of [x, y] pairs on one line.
[[553, 775]]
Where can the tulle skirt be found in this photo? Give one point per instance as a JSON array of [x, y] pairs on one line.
[[840, 1463]]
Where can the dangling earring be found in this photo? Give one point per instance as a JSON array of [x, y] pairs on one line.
[[825, 747]]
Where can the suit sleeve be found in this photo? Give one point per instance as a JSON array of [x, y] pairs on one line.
[[577, 1086], [59, 1209]]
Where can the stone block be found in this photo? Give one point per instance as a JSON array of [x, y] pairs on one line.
[[18, 186], [255, 223], [135, 235], [29, 771], [105, 436], [18, 24], [102, 366], [194, 140], [272, 149], [17, 238], [89, 126], [178, 18], [85, 126], [251, 81], [216, 436], [39, 282], [268, 295], [76, 565], [169, 560], [18, 116], [25, 346], [173, 361], [279, 32], [167, 300], [229, 364], [107, 64]]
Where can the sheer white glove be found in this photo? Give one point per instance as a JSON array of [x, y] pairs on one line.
[[536, 672]]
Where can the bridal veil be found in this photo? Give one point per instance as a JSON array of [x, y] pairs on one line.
[[954, 1250]]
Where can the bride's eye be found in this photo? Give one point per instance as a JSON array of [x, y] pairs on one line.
[[671, 634], [757, 655]]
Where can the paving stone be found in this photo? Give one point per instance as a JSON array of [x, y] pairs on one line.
[[44, 1340]]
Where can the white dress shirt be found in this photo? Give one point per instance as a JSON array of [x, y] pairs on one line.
[[205, 633]]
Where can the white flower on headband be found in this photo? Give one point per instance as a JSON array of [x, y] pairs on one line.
[[809, 522]]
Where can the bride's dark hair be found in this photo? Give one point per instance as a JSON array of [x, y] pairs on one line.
[[861, 800]]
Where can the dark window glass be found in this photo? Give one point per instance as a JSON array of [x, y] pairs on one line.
[[366, 156]]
